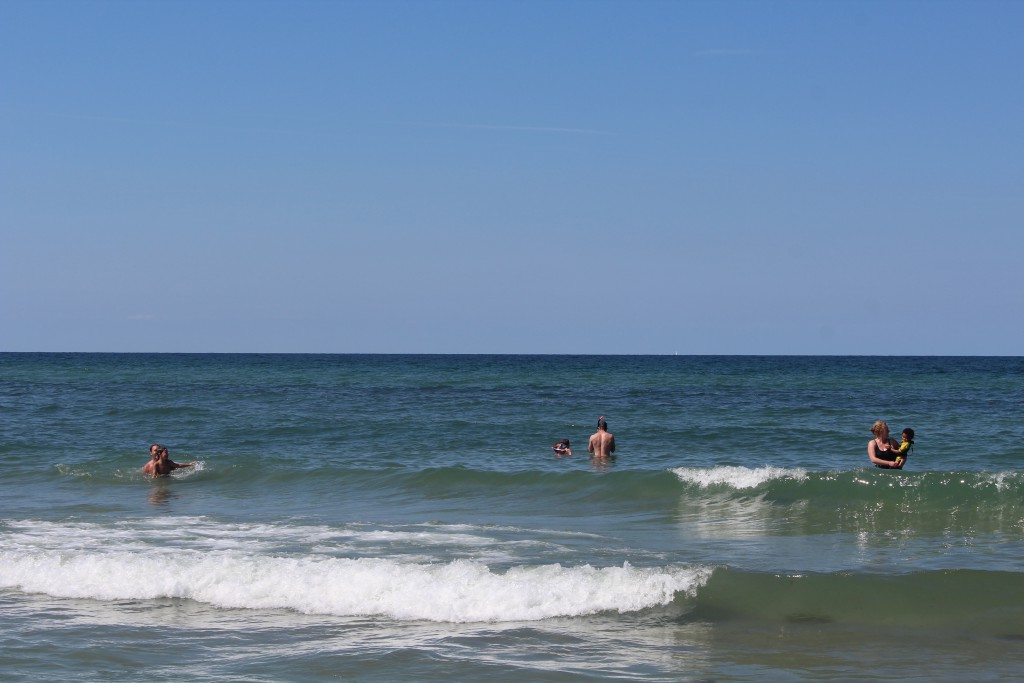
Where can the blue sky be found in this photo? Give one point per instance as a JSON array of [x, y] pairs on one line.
[[512, 177]]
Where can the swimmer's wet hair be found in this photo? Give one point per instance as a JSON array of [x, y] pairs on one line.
[[910, 435]]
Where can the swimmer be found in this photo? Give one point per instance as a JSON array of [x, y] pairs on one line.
[[882, 449], [602, 443], [154, 457], [562, 448], [164, 465]]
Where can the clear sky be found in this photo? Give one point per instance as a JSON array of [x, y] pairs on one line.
[[512, 177]]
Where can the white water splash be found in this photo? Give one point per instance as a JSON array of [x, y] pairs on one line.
[[87, 561], [736, 477]]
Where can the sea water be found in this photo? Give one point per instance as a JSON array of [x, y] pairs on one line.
[[394, 518]]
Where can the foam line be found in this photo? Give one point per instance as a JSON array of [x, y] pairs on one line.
[[458, 591]]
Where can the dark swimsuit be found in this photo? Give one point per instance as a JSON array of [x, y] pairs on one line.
[[879, 453]]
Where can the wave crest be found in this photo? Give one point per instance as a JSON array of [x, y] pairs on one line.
[[457, 591], [736, 477]]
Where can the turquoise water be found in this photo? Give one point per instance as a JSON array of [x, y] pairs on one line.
[[385, 518]]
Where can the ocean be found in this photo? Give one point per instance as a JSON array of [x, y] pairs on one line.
[[404, 518]]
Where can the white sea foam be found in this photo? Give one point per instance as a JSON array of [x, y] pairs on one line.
[[201, 534], [1003, 481], [458, 591], [282, 567], [736, 477], [410, 543]]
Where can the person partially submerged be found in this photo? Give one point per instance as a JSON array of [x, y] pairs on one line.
[[883, 451], [562, 448], [602, 442], [160, 462], [154, 457]]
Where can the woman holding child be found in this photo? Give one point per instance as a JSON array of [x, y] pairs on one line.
[[884, 451]]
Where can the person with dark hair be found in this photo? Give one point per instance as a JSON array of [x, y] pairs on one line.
[[163, 464], [562, 448], [602, 443], [154, 457], [166, 465], [905, 447]]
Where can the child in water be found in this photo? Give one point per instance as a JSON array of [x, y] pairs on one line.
[[562, 448], [908, 443]]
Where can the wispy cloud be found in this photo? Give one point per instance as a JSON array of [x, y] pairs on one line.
[[290, 126], [728, 53], [525, 129]]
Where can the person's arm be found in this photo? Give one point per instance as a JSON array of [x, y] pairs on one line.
[[568, 451], [590, 445], [611, 444]]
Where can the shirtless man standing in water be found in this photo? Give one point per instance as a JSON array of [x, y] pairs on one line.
[[602, 444], [154, 457]]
